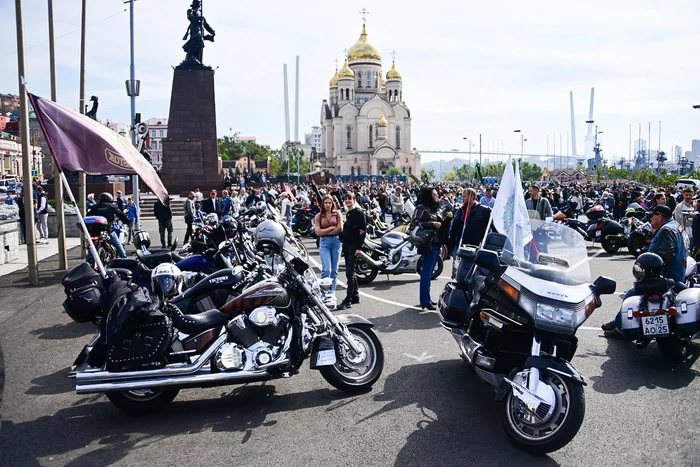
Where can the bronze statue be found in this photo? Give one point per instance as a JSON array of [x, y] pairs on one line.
[[194, 47], [92, 113]]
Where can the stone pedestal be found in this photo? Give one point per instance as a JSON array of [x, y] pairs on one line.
[[190, 153], [9, 241]]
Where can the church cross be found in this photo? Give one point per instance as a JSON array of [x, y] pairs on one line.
[[393, 54], [364, 14], [345, 52], [336, 63]]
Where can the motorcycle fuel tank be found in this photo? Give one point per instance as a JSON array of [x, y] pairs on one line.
[[392, 239], [194, 263], [266, 293]]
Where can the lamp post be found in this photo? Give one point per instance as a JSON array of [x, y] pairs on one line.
[[470, 146], [522, 143]]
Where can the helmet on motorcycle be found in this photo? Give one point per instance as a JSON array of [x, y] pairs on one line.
[[212, 219], [260, 208], [630, 212], [649, 266], [229, 223], [142, 239], [167, 280], [106, 198], [270, 235]]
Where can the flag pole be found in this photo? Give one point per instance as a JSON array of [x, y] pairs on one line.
[[69, 192], [28, 187]]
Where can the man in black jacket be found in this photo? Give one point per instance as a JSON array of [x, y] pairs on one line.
[[469, 222], [109, 211], [353, 238], [165, 221], [213, 204]]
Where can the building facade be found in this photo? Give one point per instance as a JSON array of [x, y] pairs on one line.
[[365, 123], [314, 138], [157, 132]]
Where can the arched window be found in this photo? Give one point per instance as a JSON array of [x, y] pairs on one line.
[[369, 79], [347, 94], [410, 170], [359, 79], [398, 137], [352, 171], [348, 130], [371, 140], [376, 130], [357, 100], [359, 171], [376, 79]]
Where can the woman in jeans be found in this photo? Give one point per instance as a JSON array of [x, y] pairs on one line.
[[328, 224], [426, 215]]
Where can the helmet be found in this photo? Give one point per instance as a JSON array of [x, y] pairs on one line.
[[106, 198], [167, 280], [270, 234], [212, 219], [630, 212], [229, 223], [649, 266], [142, 239], [260, 207]]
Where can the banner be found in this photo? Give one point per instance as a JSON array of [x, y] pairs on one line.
[[509, 214], [80, 144]]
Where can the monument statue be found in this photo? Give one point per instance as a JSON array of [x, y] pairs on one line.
[[194, 47], [92, 113]]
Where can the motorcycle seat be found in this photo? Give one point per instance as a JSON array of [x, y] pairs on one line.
[[194, 324], [153, 260], [124, 263], [373, 244]]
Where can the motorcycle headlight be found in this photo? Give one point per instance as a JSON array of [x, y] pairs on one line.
[[560, 317]]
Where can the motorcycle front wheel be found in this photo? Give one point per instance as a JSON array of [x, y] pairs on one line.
[[356, 373], [142, 401], [609, 246], [364, 272], [558, 428]]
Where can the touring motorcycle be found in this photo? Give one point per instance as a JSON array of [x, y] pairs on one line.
[[515, 322], [142, 361]]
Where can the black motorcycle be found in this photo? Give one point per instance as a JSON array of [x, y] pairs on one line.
[[601, 228], [515, 323]]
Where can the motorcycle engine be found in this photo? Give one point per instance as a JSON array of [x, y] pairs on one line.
[[255, 340]]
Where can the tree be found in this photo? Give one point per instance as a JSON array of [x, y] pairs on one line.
[[615, 174], [427, 175], [393, 171], [450, 177], [530, 172], [464, 173]]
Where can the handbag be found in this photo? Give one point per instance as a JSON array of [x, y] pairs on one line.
[[420, 236]]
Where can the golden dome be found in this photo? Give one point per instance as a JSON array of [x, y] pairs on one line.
[[317, 164], [334, 79], [382, 121], [346, 72], [393, 73], [363, 50]]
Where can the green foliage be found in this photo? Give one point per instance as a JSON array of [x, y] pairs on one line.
[[615, 174], [450, 177], [394, 171], [466, 172], [427, 175], [294, 161], [231, 150], [530, 172]]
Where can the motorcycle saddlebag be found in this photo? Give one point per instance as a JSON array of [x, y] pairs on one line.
[[453, 304], [83, 287], [144, 346], [688, 316], [630, 324]]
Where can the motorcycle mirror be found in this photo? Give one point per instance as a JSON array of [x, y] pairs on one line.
[[604, 286]]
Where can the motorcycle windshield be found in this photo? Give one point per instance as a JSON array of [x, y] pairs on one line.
[[556, 253]]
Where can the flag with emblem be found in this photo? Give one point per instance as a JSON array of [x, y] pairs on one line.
[[80, 144], [509, 213]]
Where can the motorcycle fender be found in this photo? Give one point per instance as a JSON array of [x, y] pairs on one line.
[[353, 319], [556, 365], [322, 353]]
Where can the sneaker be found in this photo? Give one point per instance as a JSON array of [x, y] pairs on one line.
[[608, 326], [355, 300]]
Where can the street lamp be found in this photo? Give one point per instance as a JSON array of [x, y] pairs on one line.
[[522, 142], [696, 106]]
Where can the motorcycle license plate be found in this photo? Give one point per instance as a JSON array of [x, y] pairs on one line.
[[655, 325]]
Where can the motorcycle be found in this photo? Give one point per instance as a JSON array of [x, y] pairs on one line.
[[394, 254], [303, 221], [609, 233], [98, 228], [265, 333], [515, 323]]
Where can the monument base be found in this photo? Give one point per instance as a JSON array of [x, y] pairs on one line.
[[190, 150]]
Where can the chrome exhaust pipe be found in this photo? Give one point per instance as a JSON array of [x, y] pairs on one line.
[[370, 261], [197, 380]]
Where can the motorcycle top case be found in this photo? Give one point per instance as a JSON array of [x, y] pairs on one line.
[[83, 287], [96, 225], [596, 212], [688, 317]]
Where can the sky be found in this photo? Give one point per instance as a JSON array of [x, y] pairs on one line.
[[468, 68]]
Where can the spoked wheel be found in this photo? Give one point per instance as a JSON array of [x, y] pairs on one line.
[[352, 372], [365, 272], [673, 349], [437, 270], [142, 401], [610, 246], [555, 429]]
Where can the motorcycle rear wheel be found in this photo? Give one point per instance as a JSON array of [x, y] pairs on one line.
[[635, 244], [557, 430], [356, 375], [142, 401], [673, 349], [609, 246], [437, 270], [364, 272]]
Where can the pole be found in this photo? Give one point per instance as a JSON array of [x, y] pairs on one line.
[[479, 150], [27, 187], [82, 179], [660, 137], [296, 104], [132, 78], [58, 187], [649, 145], [629, 158], [639, 141]]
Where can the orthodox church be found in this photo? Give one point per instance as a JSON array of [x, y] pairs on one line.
[[366, 126]]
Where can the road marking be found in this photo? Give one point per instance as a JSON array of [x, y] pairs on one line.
[[589, 328], [424, 356]]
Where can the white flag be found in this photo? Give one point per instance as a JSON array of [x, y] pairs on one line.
[[510, 215]]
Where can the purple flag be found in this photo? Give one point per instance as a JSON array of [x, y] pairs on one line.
[[81, 144]]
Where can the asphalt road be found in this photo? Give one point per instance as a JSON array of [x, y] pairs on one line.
[[427, 409]]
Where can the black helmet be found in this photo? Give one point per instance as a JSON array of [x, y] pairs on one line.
[[649, 266], [142, 239], [270, 234], [106, 198]]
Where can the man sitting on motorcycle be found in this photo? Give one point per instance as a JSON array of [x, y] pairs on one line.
[[108, 210], [668, 243]]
